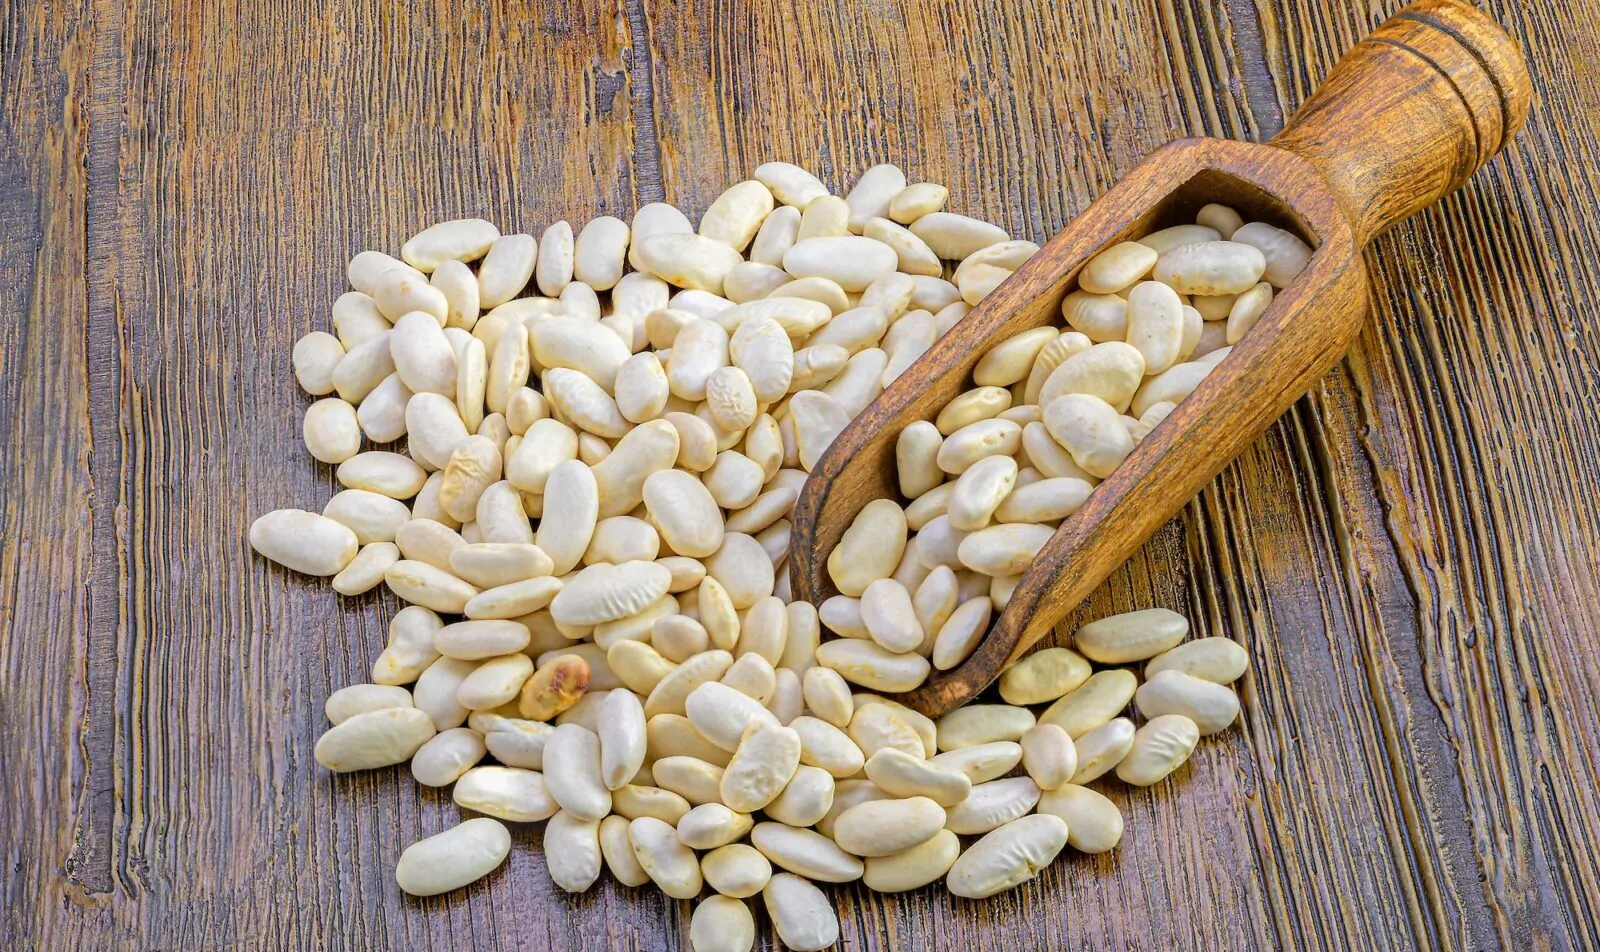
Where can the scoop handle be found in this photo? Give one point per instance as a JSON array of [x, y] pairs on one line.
[[1410, 112]]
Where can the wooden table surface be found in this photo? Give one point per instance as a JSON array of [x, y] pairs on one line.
[[1412, 555]]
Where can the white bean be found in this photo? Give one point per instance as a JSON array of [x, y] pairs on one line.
[[1008, 856], [304, 541], [670, 865], [1131, 636], [721, 924], [452, 859], [374, 739], [1161, 746], [1094, 824]]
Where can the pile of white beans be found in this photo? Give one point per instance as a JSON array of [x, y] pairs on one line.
[[988, 481], [599, 501]]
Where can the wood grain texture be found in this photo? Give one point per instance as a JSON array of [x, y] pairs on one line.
[[1412, 556]]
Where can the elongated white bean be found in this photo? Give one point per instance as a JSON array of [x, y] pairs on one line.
[[1131, 636], [374, 738], [1161, 746], [1212, 707], [1094, 824], [454, 858], [802, 915], [1218, 660], [1008, 856], [1285, 254], [573, 772], [982, 763], [805, 852]]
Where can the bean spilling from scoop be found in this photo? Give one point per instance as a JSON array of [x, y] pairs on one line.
[[589, 522]]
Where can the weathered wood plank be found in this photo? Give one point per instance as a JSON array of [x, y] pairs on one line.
[[1458, 449], [48, 470]]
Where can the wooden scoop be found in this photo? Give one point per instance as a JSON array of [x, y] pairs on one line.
[[1403, 120]]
